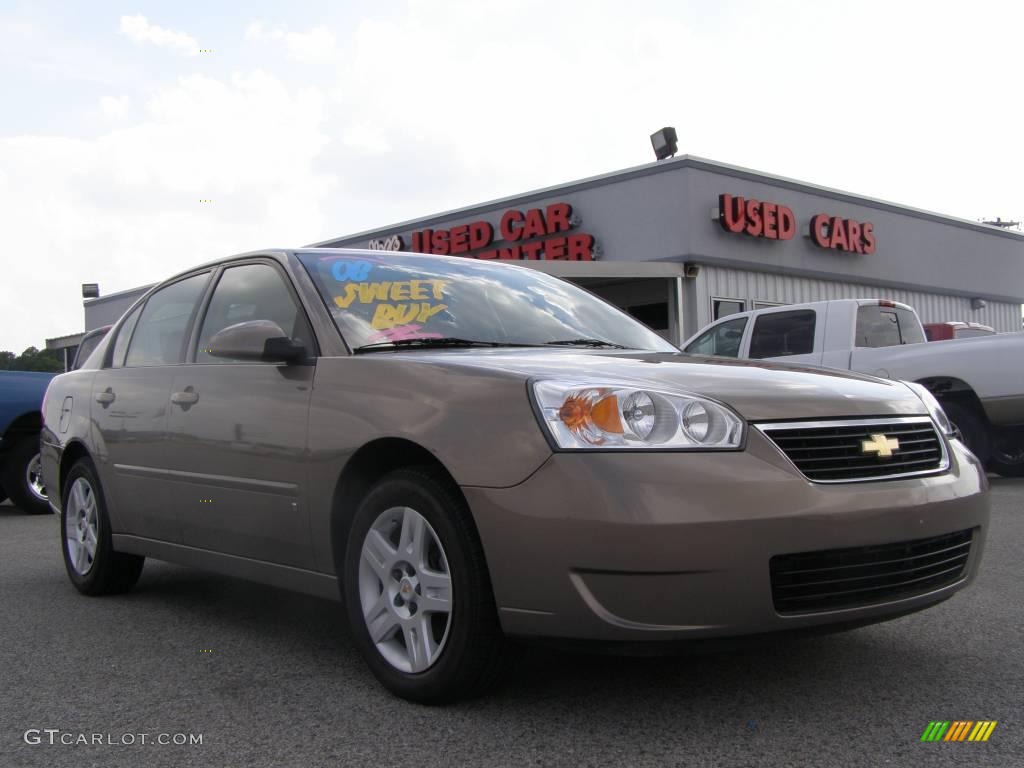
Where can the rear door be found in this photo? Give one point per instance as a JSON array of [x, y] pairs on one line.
[[130, 399], [239, 428]]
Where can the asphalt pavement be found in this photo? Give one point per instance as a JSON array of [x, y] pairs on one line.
[[267, 678]]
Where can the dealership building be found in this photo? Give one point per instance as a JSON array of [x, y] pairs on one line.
[[681, 242]]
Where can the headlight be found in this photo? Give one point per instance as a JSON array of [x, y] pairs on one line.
[[610, 416], [934, 409]]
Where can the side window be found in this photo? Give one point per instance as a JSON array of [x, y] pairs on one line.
[[86, 348], [164, 322], [124, 335], [251, 292], [779, 334], [722, 340], [880, 326]]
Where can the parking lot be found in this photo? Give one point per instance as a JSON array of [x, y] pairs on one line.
[[268, 678]]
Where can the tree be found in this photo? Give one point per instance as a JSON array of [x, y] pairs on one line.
[[32, 359]]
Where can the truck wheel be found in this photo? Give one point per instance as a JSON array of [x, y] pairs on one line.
[[22, 479], [417, 592], [93, 565], [1008, 454], [973, 430]]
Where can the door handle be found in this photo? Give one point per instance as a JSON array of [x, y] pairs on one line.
[[106, 397], [186, 398]]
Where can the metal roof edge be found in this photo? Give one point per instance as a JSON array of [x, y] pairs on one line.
[[677, 163], [718, 261], [116, 294]]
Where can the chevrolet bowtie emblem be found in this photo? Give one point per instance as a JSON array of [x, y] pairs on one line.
[[880, 445]]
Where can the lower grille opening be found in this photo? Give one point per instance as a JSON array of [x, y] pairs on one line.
[[860, 576]]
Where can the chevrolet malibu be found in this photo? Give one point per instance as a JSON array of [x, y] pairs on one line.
[[469, 454]]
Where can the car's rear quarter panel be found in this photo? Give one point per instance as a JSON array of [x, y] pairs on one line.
[[76, 385]]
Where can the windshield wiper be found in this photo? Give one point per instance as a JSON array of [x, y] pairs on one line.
[[426, 343], [586, 343]]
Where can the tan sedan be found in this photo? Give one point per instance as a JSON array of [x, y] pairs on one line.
[[470, 454]]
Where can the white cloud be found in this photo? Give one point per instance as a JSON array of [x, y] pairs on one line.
[[317, 45], [123, 209], [115, 107], [437, 105], [140, 31]]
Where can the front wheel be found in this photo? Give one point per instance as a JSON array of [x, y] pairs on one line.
[[23, 477], [93, 565], [417, 592]]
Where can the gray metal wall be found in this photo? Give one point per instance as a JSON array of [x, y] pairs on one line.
[[663, 212], [107, 309], [728, 283]]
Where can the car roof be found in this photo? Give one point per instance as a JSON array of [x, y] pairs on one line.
[[281, 255]]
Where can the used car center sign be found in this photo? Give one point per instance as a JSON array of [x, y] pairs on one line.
[[547, 233], [772, 221]]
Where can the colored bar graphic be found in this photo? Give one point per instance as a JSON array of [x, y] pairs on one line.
[[935, 730], [982, 730], [958, 730]]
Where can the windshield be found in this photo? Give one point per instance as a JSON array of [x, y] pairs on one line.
[[398, 300]]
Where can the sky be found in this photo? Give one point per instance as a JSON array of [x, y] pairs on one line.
[[303, 121]]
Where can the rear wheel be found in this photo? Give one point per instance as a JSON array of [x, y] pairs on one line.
[[23, 477], [973, 429], [417, 592], [1008, 454], [93, 565]]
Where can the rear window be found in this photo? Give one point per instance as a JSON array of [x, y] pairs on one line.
[[879, 326], [780, 334]]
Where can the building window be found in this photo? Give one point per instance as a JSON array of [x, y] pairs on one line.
[[780, 334], [768, 304], [654, 316], [722, 307]]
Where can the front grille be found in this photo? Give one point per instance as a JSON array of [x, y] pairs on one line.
[[845, 578], [834, 451]]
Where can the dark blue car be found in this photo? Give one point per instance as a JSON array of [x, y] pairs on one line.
[[21, 398]]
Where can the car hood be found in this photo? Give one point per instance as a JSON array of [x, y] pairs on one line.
[[757, 390]]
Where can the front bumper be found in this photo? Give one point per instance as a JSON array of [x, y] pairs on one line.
[[672, 546]]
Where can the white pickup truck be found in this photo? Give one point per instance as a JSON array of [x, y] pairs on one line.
[[979, 381]]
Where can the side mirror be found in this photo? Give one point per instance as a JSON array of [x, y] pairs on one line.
[[256, 340]]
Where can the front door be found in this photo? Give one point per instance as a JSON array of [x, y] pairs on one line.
[[238, 429]]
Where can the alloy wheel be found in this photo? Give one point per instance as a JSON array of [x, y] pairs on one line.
[[34, 478], [405, 589], [81, 526]]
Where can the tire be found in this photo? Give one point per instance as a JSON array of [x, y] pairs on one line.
[[464, 652], [101, 571], [21, 479], [973, 429], [1008, 454]]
